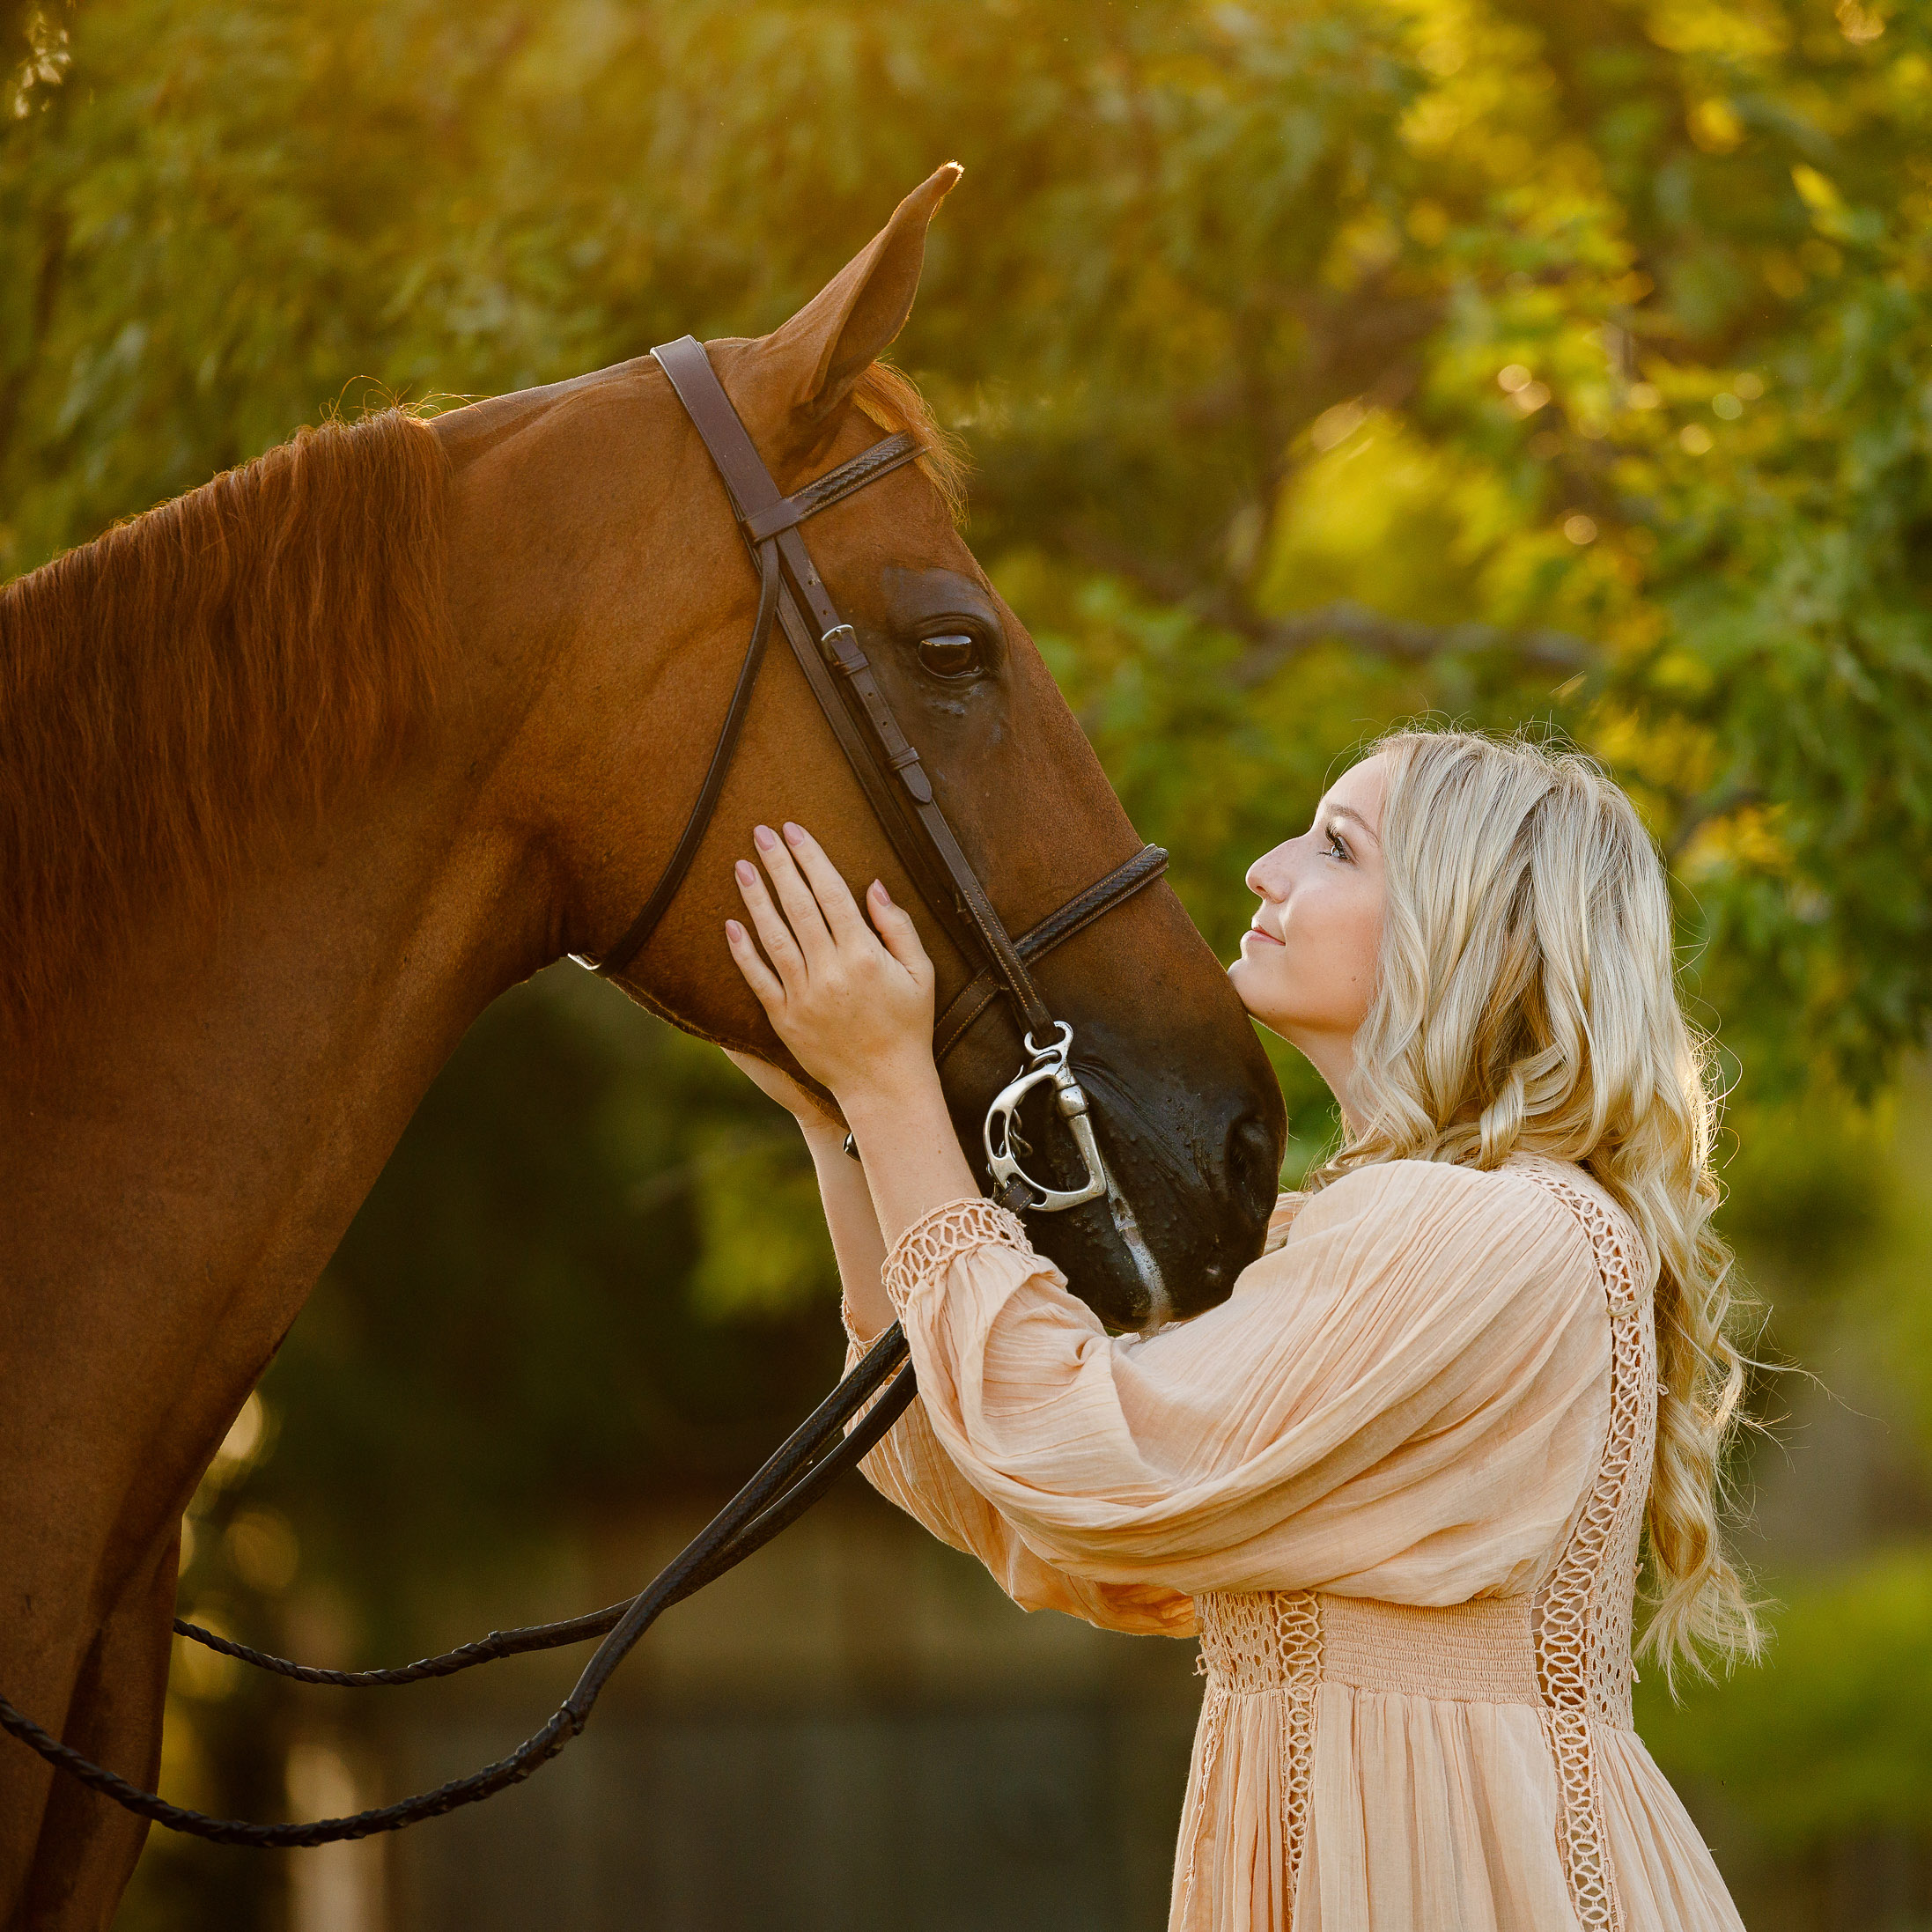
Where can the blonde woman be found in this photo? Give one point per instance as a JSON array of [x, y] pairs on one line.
[[1398, 1482]]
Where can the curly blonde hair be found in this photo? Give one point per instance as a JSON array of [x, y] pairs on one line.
[[1526, 1001]]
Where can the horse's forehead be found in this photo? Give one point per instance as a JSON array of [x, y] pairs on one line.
[[902, 553], [902, 521]]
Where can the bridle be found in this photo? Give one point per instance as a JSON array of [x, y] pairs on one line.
[[874, 1394], [890, 771]]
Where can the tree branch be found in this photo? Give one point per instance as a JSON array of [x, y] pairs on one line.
[[1278, 639], [1273, 641]]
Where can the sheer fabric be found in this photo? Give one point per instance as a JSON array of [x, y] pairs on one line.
[[1395, 1485]]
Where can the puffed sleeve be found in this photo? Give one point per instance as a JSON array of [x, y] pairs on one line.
[[909, 1468], [1405, 1400]]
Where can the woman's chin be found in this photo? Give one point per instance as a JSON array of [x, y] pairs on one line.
[[1269, 1003], [1251, 988]]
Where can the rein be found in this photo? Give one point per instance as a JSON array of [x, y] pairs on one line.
[[843, 1429], [791, 1481]]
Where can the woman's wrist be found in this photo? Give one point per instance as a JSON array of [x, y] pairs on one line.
[[821, 1131], [912, 1156], [892, 1098]]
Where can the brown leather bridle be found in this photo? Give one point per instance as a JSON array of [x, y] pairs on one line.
[[888, 766], [874, 1393]]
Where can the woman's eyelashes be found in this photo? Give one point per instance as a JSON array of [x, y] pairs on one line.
[[1335, 848]]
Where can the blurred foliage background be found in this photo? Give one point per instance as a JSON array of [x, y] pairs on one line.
[[1323, 362]]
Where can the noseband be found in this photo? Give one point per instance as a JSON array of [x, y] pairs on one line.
[[888, 766]]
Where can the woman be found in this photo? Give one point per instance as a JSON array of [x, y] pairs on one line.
[[1398, 1482]]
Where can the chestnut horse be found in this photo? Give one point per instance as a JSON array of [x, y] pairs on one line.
[[299, 773]]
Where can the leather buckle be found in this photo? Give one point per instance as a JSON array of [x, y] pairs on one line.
[[840, 646]]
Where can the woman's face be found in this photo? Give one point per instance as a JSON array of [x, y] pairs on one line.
[[1307, 961]]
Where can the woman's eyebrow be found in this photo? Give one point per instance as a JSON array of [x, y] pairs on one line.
[[1348, 811]]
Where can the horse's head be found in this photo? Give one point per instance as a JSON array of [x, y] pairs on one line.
[[635, 580]]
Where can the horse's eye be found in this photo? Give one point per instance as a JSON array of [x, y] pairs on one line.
[[953, 653]]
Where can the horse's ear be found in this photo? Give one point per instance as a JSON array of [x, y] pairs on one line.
[[805, 369]]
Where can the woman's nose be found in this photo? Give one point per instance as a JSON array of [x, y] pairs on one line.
[[1267, 877]]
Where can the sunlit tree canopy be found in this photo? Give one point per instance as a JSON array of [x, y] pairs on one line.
[[1323, 363]]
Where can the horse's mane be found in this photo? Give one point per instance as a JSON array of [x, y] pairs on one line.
[[202, 674], [891, 399], [211, 671]]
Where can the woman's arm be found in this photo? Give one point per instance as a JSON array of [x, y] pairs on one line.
[[909, 1468], [1408, 1404], [849, 1212], [856, 1239], [1405, 1399]]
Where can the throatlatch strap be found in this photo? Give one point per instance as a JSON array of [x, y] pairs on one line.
[[783, 514], [640, 929]]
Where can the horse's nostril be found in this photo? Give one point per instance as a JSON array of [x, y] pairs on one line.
[[1251, 1176]]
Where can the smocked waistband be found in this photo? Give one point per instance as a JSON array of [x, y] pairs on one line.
[[1482, 1652]]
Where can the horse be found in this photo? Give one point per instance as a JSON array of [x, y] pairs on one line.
[[301, 770]]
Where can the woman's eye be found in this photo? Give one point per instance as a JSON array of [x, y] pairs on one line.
[[953, 653]]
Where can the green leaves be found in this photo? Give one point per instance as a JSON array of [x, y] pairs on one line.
[[1848, 1697], [1321, 365]]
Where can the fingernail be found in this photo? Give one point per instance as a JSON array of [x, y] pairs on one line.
[[748, 873], [764, 836], [879, 886], [733, 932], [794, 833]]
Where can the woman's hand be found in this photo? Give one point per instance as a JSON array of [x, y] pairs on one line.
[[856, 1014]]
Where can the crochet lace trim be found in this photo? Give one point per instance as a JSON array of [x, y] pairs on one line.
[[1266, 1643], [1583, 1611], [929, 1246], [1570, 1654]]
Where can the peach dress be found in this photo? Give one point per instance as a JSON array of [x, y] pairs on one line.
[[1396, 1483]]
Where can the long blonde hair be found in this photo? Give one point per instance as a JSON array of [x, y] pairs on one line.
[[1526, 1002]]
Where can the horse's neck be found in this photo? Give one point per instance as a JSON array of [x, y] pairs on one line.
[[176, 1178], [172, 1187]]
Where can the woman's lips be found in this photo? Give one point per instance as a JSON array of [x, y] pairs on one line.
[[1256, 933]]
